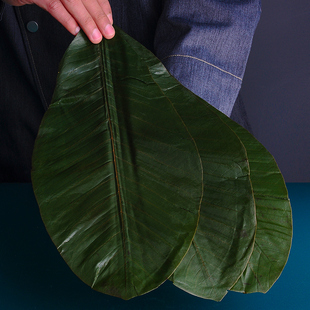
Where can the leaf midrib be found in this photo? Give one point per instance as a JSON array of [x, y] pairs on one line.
[[106, 76]]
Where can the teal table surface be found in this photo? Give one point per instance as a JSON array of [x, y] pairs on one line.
[[34, 276]]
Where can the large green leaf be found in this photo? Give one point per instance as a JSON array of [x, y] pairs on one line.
[[274, 217], [116, 174], [124, 158], [233, 177], [225, 236], [224, 239], [119, 89], [197, 272]]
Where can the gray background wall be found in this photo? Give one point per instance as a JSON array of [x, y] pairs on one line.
[[276, 87]]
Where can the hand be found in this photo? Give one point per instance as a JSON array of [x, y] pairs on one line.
[[93, 16]]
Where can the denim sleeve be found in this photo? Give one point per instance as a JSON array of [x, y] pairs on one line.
[[205, 44]]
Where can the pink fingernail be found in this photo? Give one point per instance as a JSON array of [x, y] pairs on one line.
[[77, 30], [96, 35], [109, 31]]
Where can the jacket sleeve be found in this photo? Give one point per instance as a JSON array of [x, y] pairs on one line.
[[205, 44]]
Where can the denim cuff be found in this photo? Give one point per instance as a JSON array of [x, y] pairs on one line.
[[206, 46], [218, 87], [2, 7]]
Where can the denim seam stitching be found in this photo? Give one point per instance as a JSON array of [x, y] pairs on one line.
[[214, 66]]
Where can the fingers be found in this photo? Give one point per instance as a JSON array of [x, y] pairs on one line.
[[58, 10], [105, 5], [93, 16]]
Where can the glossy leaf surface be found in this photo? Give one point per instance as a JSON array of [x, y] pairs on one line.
[[274, 218], [116, 174], [272, 240], [225, 236], [124, 158]]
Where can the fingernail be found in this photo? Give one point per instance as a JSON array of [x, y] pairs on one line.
[[109, 31], [77, 30], [96, 35]]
